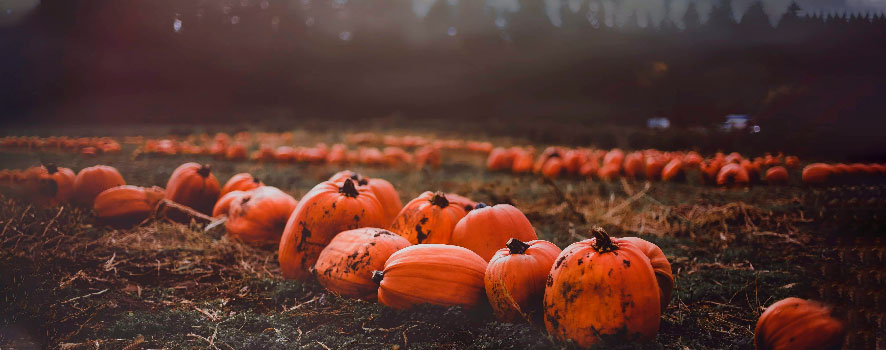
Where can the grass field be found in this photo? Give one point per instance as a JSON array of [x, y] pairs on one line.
[[68, 283]]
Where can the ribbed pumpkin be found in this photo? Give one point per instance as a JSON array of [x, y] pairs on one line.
[[798, 324], [429, 218], [345, 266], [126, 205], [660, 265], [93, 180], [817, 173], [193, 185], [515, 278], [224, 203], [259, 215], [436, 274], [733, 175], [486, 229], [240, 182], [384, 191], [602, 287], [776, 175], [52, 185], [326, 210]]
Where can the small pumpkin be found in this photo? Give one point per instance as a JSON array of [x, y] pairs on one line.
[[660, 266], [259, 215], [326, 210], [733, 175], [345, 266], [486, 229], [437, 274], [602, 287], [384, 191], [224, 203], [193, 185], [93, 180], [654, 167], [614, 157], [673, 170], [499, 159], [776, 175], [429, 218], [635, 165], [522, 161], [553, 167], [240, 182], [608, 172], [124, 206], [515, 278], [798, 324], [817, 173], [52, 185]]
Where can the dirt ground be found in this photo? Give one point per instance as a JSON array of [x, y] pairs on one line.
[[68, 283]]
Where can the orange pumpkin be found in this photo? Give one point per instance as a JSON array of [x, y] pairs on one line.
[[614, 157], [236, 152], [522, 161], [590, 168], [608, 172], [798, 324], [326, 210], [224, 203], [437, 274], [499, 159], [548, 153], [552, 167], [465, 202], [259, 215], [602, 287], [817, 173], [791, 162], [776, 175], [126, 205], [660, 266], [345, 266], [429, 218], [52, 185], [486, 229], [93, 180], [673, 170], [193, 185], [733, 175], [384, 191], [635, 165], [654, 167], [710, 170], [515, 278], [240, 182]]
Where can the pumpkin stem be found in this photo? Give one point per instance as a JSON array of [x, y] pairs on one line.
[[377, 276], [517, 246], [481, 205], [204, 170], [439, 199], [361, 180], [256, 180], [602, 242], [348, 189], [51, 168]]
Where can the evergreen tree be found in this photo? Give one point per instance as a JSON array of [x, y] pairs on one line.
[[691, 19]]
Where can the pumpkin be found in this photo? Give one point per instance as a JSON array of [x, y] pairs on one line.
[[552, 167], [437, 274], [608, 172], [429, 218], [673, 170], [193, 185], [753, 169], [635, 165], [93, 180], [863, 169], [733, 175], [817, 173], [124, 206], [660, 266], [499, 159], [52, 185], [791, 162], [573, 160], [710, 170], [548, 153], [486, 229], [515, 278], [522, 161], [465, 202], [602, 287], [798, 324], [224, 203], [345, 266], [384, 191], [428, 156], [240, 182], [842, 169], [776, 175], [733, 157], [590, 168], [614, 157], [692, 159], [326, 210], [236, 152], [259, 215], [654, 167]]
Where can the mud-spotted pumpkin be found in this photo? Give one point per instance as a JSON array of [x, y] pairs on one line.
[[345, 266], [817, 173], [52, 185], [193, 185], [486, 229], [429, 218], [240, 182], [437, 274], [126, 205], [93, 180], [602, 288], [798, 324], [776, 175], [660, 265], [259, 215], [515, 278], [384, 191], [733, 175], [326, 210]]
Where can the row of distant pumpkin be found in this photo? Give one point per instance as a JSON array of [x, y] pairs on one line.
[[83, 145], [721, 169], [355, 237]]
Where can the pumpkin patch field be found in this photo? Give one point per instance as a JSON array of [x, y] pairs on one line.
[[346, 238]]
